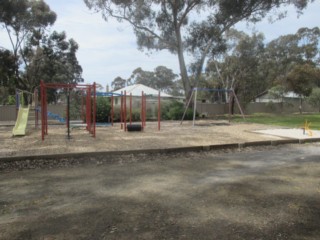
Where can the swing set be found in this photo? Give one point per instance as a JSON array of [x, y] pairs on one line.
[[194, 93]]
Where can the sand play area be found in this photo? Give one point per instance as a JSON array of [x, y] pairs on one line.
[[292, 133]]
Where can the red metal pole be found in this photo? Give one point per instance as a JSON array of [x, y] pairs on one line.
[[89, 114], [42, 109], [90, 110], [67, 117], [94, 109], [145, 110], [36, 108], [45, 109], [125, 111], [87, 109], [112, 110], [121, 111], [82, 108], [142, 109], [159, 111], [130, 108]]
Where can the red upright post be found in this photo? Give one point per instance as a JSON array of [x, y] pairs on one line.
[[36, 108], [112, 110], [45, 113], [159, 111], [142, 109], [82, 108], [94, 109], [145, 110], [67, 116], [125, 111], [130, 108], [88, 105], [42, 109], [87, 117], [121, 111]]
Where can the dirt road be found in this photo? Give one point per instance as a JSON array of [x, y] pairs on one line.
[[266, 193]]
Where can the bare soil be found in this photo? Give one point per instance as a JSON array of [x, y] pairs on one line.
[[172, 135], [264, 193], [252, 193]]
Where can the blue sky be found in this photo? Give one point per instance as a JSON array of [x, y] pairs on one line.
[[108, 49]]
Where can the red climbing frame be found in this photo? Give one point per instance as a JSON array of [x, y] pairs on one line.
[[89, 90]]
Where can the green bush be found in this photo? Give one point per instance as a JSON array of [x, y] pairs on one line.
[[116, 114], [169, 111], [174, 111], [135, 115], [103, 109], [11, 100]]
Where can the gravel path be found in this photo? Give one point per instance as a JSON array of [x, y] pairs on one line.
[[263, 193]]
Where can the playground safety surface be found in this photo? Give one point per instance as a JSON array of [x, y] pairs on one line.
[[172, 135]]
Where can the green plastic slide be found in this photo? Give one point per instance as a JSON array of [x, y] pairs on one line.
[[21, 123]]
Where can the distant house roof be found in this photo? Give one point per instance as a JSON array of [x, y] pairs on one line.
[[137, 89], [267, 97]]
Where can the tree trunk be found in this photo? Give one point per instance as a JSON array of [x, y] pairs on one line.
[[182, 64], [183, 71], [232, 105]]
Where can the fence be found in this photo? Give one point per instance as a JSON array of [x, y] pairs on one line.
[[210, 110], [8, 113]]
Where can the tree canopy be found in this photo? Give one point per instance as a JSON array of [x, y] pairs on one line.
[[54, 60], [302, 78], [8, 67], [239, 68], [25, 19], [118, 83], [37, 54], [162, 78], [178, 26]]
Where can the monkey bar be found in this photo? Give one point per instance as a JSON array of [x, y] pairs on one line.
[[90, 91]]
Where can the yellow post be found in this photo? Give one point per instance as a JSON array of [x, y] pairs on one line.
[[307, 128]]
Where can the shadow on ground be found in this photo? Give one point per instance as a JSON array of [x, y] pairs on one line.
[[273, 195]]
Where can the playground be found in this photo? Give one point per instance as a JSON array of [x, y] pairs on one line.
[[50, 134], [136, 185]]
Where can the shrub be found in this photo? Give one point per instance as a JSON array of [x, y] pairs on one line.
[[11, 100], [174, 111], [135, 115], [103, 109], [314, 98]]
